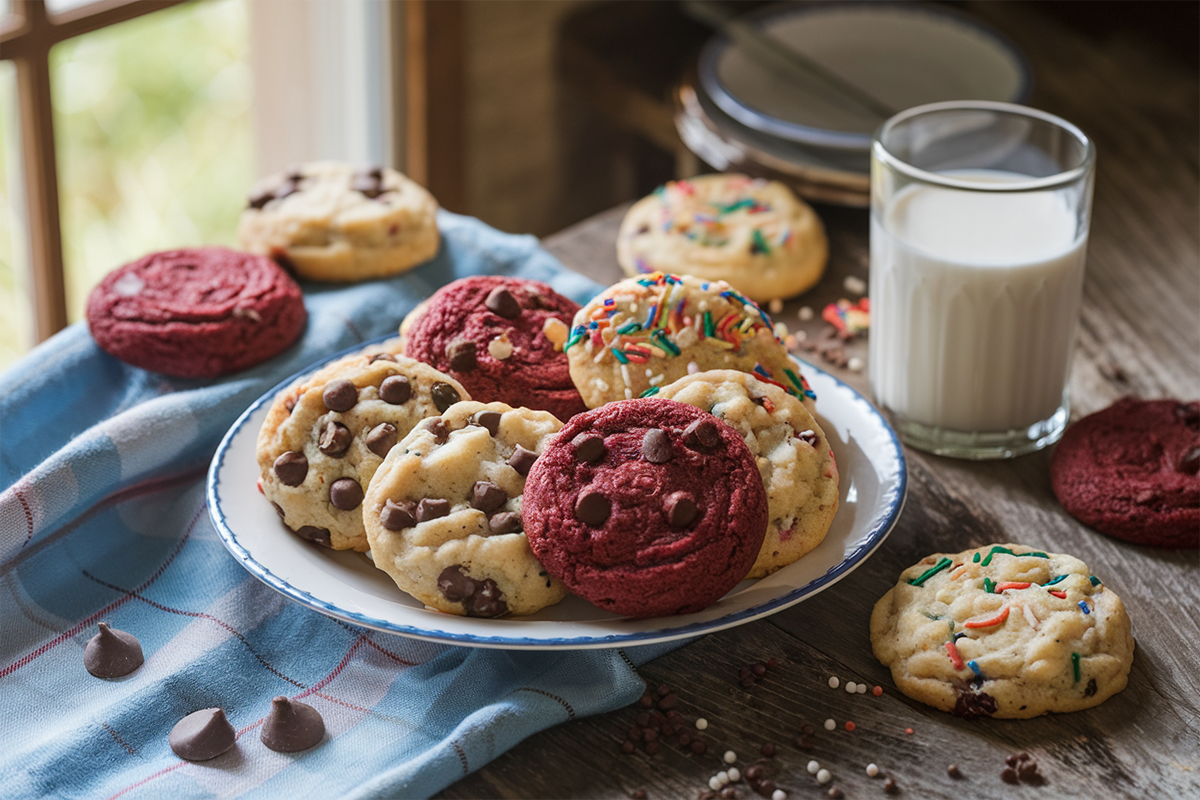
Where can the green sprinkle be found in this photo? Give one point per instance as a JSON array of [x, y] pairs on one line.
[[1034, 554], [660, 336], [761, 243], [574, 340], [1095, 581], [710, 330], [951, 627], [629, 327], [1075, 665], [1056, 580], [929, 573], [726, 209], [794, 378], [975, 558], [653, 390], [934, 617], [999, 549], [619, 355], [989, 585]]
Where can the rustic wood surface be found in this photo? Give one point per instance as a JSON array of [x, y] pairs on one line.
[[1140, 335]]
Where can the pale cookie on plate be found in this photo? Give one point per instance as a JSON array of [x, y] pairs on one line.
[[642, 333], [754, 233], [1003, 631], [790, 449], [331, 221], [443, 512], [324, 436]]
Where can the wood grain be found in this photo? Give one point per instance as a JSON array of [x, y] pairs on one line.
[[1140, 335]]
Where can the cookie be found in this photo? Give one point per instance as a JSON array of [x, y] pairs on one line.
[[501, 338], [755, 234], [642, 333], [793, 456], [444, 512], [1003, 631], [646, 508], [331, 221], [1131, 471], [196, 313], [324, 437]]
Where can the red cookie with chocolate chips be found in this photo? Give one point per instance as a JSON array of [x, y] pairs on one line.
[[501, 338], [196, 313], [1131, 471], [646, 507]]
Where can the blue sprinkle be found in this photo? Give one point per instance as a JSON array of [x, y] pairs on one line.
[[975, 668], [1083, 605]]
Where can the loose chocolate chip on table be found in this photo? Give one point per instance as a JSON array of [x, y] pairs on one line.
[[589, 447], [656, 446], [489, 420], [460, 355], [340, 395], [291, 468], [504, 522], [432, 508], [592, 508], [381, 439], [291, 726], [681, 509], [112, 653], [202, 735], [953, 771], [890, 786], [397, 516], [314, 534], [487, 496], [1009, 775], [522, 460], [444, 395], [335, 439], [702, 434], [346, 494], [500, 301], [395, 390]]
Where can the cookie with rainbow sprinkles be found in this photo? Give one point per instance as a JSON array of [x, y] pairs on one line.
[[643, 333], [1003, 631]]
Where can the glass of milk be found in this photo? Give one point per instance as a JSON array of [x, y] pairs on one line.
[[979, 225]]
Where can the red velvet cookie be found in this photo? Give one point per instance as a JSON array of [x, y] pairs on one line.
[[490, 333], [196, 313], [646, 507], [1131, 471]]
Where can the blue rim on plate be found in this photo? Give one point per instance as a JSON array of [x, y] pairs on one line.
[[490, 633], [711, 84]]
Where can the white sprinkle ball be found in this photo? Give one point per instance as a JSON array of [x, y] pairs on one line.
[[851, 687], [830, 724], [779, 794], [862, 688], [813, 766], [775, 305], [856, 364], [781, 330], [734, 774], [730, 756], [872, 770], [714, 784], [833, 682], [805, 313], [855, 284], [801, 335], [701, 724], [824, 777], [723, 777]]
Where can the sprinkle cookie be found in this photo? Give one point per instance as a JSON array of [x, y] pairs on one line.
[[793, 456], [324, 437], [642, 333], [443, 513], [755, 234], [646, 508], [1003, 631], [331, 221]]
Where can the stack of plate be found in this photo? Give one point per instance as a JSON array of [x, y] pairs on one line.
[[742, 113]]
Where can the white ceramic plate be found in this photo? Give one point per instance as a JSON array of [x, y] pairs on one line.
[[901, 54], [347, 586]]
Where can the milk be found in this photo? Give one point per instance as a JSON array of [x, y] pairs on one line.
[[974, 304]]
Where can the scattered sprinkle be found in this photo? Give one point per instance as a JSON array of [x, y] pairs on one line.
[[855, 284], [730, 756], [856, 364], [833, 682], [775, 305], [813, 767], [806, 313], [908, 730], [850, 726], [779, 794], [877, 691], [734, 774], [701, 724], [714, 783], [872, 770], [862, 688], [953, 771], [823, 776], [830, 724], [890, 786], [851, 687]]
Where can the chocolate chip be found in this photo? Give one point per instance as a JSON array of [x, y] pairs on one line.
[[290, 404], [346, 494], [702, 434], [698, 747], [382, 357], [1009, 775], [522, 460], [504, 522], [340, 395], [1028, 770], [479, 598], [489, 420], [502, 302], [488, 601], [1090, 690], [291, 468], [972, 704], [1189, 414], [112, 653], [592, 508], [681, 509], [460, 355], [437, 427], [397, 516], [656, 446], [432, 508], [260, 199], [315, 535], [890, 786], [335, 439], [835, 793], [589, 447], [395, 390], [809, 437], [1189, 463], [487, 496], [953, 771], [382, 438], [444, 395], [291, 726], [369, 184], [202, 735]]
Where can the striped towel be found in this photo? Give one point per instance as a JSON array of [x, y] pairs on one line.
[[103, 518]]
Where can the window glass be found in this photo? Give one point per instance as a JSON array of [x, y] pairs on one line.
[[16, 322]]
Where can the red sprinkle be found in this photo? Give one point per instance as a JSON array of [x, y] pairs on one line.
[[1004, 587], [877, 691], [850, 726], [955, 659], [1060, 595], [908, 730], [988, 623]]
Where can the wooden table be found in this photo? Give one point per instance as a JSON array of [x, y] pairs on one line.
[[1140, 335]]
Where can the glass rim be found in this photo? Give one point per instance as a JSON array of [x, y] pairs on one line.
[[1068, 176]]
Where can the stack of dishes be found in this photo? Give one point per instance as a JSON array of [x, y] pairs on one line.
[[741, 112]]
